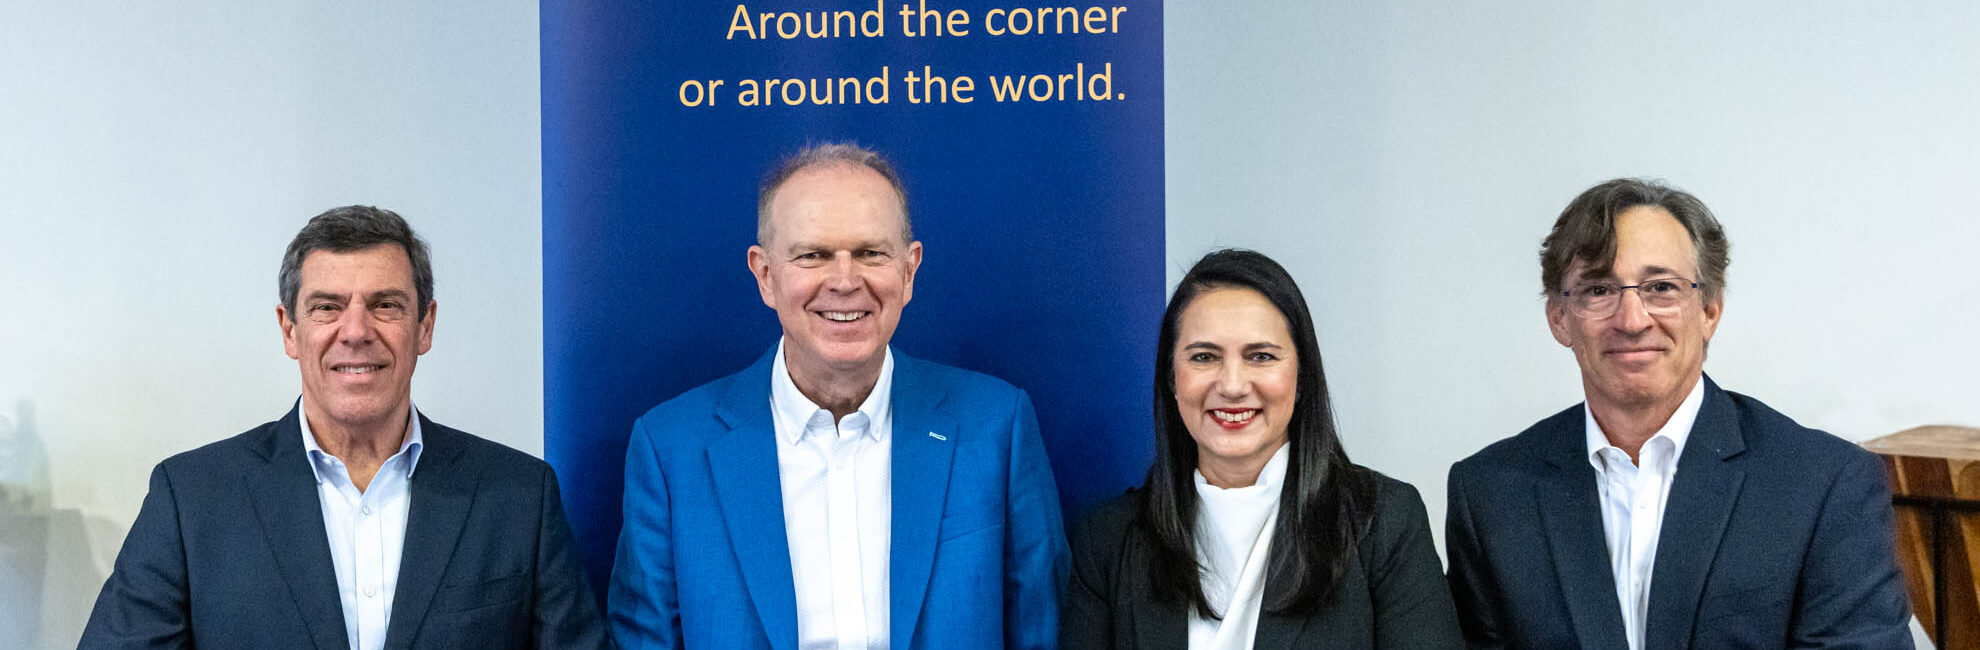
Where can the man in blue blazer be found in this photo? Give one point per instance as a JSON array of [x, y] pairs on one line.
[[353, 522], [836, 494], [1665, 512]]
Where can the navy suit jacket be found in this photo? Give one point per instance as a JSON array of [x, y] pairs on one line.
[[1774, 536], [978, 549], [229, 551], [1391, 596]]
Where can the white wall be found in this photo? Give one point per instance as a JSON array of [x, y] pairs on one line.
[[1404, 160], [157, 158]]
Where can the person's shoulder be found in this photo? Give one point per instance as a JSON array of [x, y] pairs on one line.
[[227, 455], [1520, 453], [1113, 513], [481, 451], [1392, 493], [956, 382], [699, 400], [1398, 508], [1101, 528], [688, 419], [1771, 433]]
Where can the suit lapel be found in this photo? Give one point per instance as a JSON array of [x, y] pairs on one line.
[[920, 487], [744, 466], [283, 491], [1695, 516], [1573, 523], [442, 493]]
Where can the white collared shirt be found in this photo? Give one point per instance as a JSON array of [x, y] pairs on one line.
[[367, 530], [1233, 540], [838, 488], [1632, 498]]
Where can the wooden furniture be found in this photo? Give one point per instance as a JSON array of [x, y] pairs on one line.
[[1935, 486]]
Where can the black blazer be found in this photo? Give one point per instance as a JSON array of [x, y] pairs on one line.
[[229, 551], [1774, 536], [1392, 594]]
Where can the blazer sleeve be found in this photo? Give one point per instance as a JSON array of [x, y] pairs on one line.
[[566, 613], [644, 607], [1851, 594], [1086, 617], [1411, 601], [1473, 589], [144, 604], [1035, 562]]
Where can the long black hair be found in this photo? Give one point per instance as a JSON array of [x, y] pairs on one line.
[[1326, 501]]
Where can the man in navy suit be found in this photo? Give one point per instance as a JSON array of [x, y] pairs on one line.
[[837, 494], [1665, 512], [354, 521]]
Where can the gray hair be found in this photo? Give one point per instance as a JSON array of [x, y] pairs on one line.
[[1586, 231], [352, 228], [827, 155]]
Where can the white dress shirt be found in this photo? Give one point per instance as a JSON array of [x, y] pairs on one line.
[[838, 487], [1632, 497], [1233, 540], [367, 531]]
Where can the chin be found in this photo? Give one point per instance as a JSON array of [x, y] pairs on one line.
[[851, 355]]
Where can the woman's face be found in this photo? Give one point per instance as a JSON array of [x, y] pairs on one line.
[[1236, 375]]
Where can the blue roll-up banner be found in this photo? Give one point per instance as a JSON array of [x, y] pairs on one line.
[[1030, 142]]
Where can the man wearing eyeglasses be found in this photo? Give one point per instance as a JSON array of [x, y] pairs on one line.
[[1665, 512]]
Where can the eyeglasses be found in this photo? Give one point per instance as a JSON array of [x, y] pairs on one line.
[[1601, 299]]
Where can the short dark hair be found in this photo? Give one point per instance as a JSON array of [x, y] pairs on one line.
[[826, 155], [352, 228], [1586, 231], [1326, 502]]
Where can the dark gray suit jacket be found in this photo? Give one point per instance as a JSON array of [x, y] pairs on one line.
[[1391, 596], [1775, 536], [229, 551]]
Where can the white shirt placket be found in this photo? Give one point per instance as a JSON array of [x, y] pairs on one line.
[[370, 541], [842, 527]]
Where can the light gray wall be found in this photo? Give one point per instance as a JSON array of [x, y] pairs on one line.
[[157, 159], [1404, 159]]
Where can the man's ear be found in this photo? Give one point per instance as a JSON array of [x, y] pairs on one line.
[[1713, 310], [426, 326], [288, 324], [1559, 320], [759, 266], [913, 264]]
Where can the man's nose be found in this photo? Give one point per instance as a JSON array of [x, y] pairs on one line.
[[1632, 315], [842, 274], [354, 326]]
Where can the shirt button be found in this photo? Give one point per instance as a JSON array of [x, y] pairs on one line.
[[370, 592], [365, 510]]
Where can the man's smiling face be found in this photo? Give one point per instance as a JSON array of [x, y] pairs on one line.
[[357, 334], [1634, 358], [837, 267]]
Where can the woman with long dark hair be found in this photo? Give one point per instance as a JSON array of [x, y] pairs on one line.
[[1253, 529]]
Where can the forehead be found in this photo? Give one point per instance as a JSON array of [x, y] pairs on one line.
[[1649, 240], [375, 268], [833, 202], [1233, 313]]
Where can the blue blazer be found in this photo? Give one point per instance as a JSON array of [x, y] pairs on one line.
[[978, 549], [1774, 536], [229, 551]]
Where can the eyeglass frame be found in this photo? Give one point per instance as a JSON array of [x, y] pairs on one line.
[[1687, 284]]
